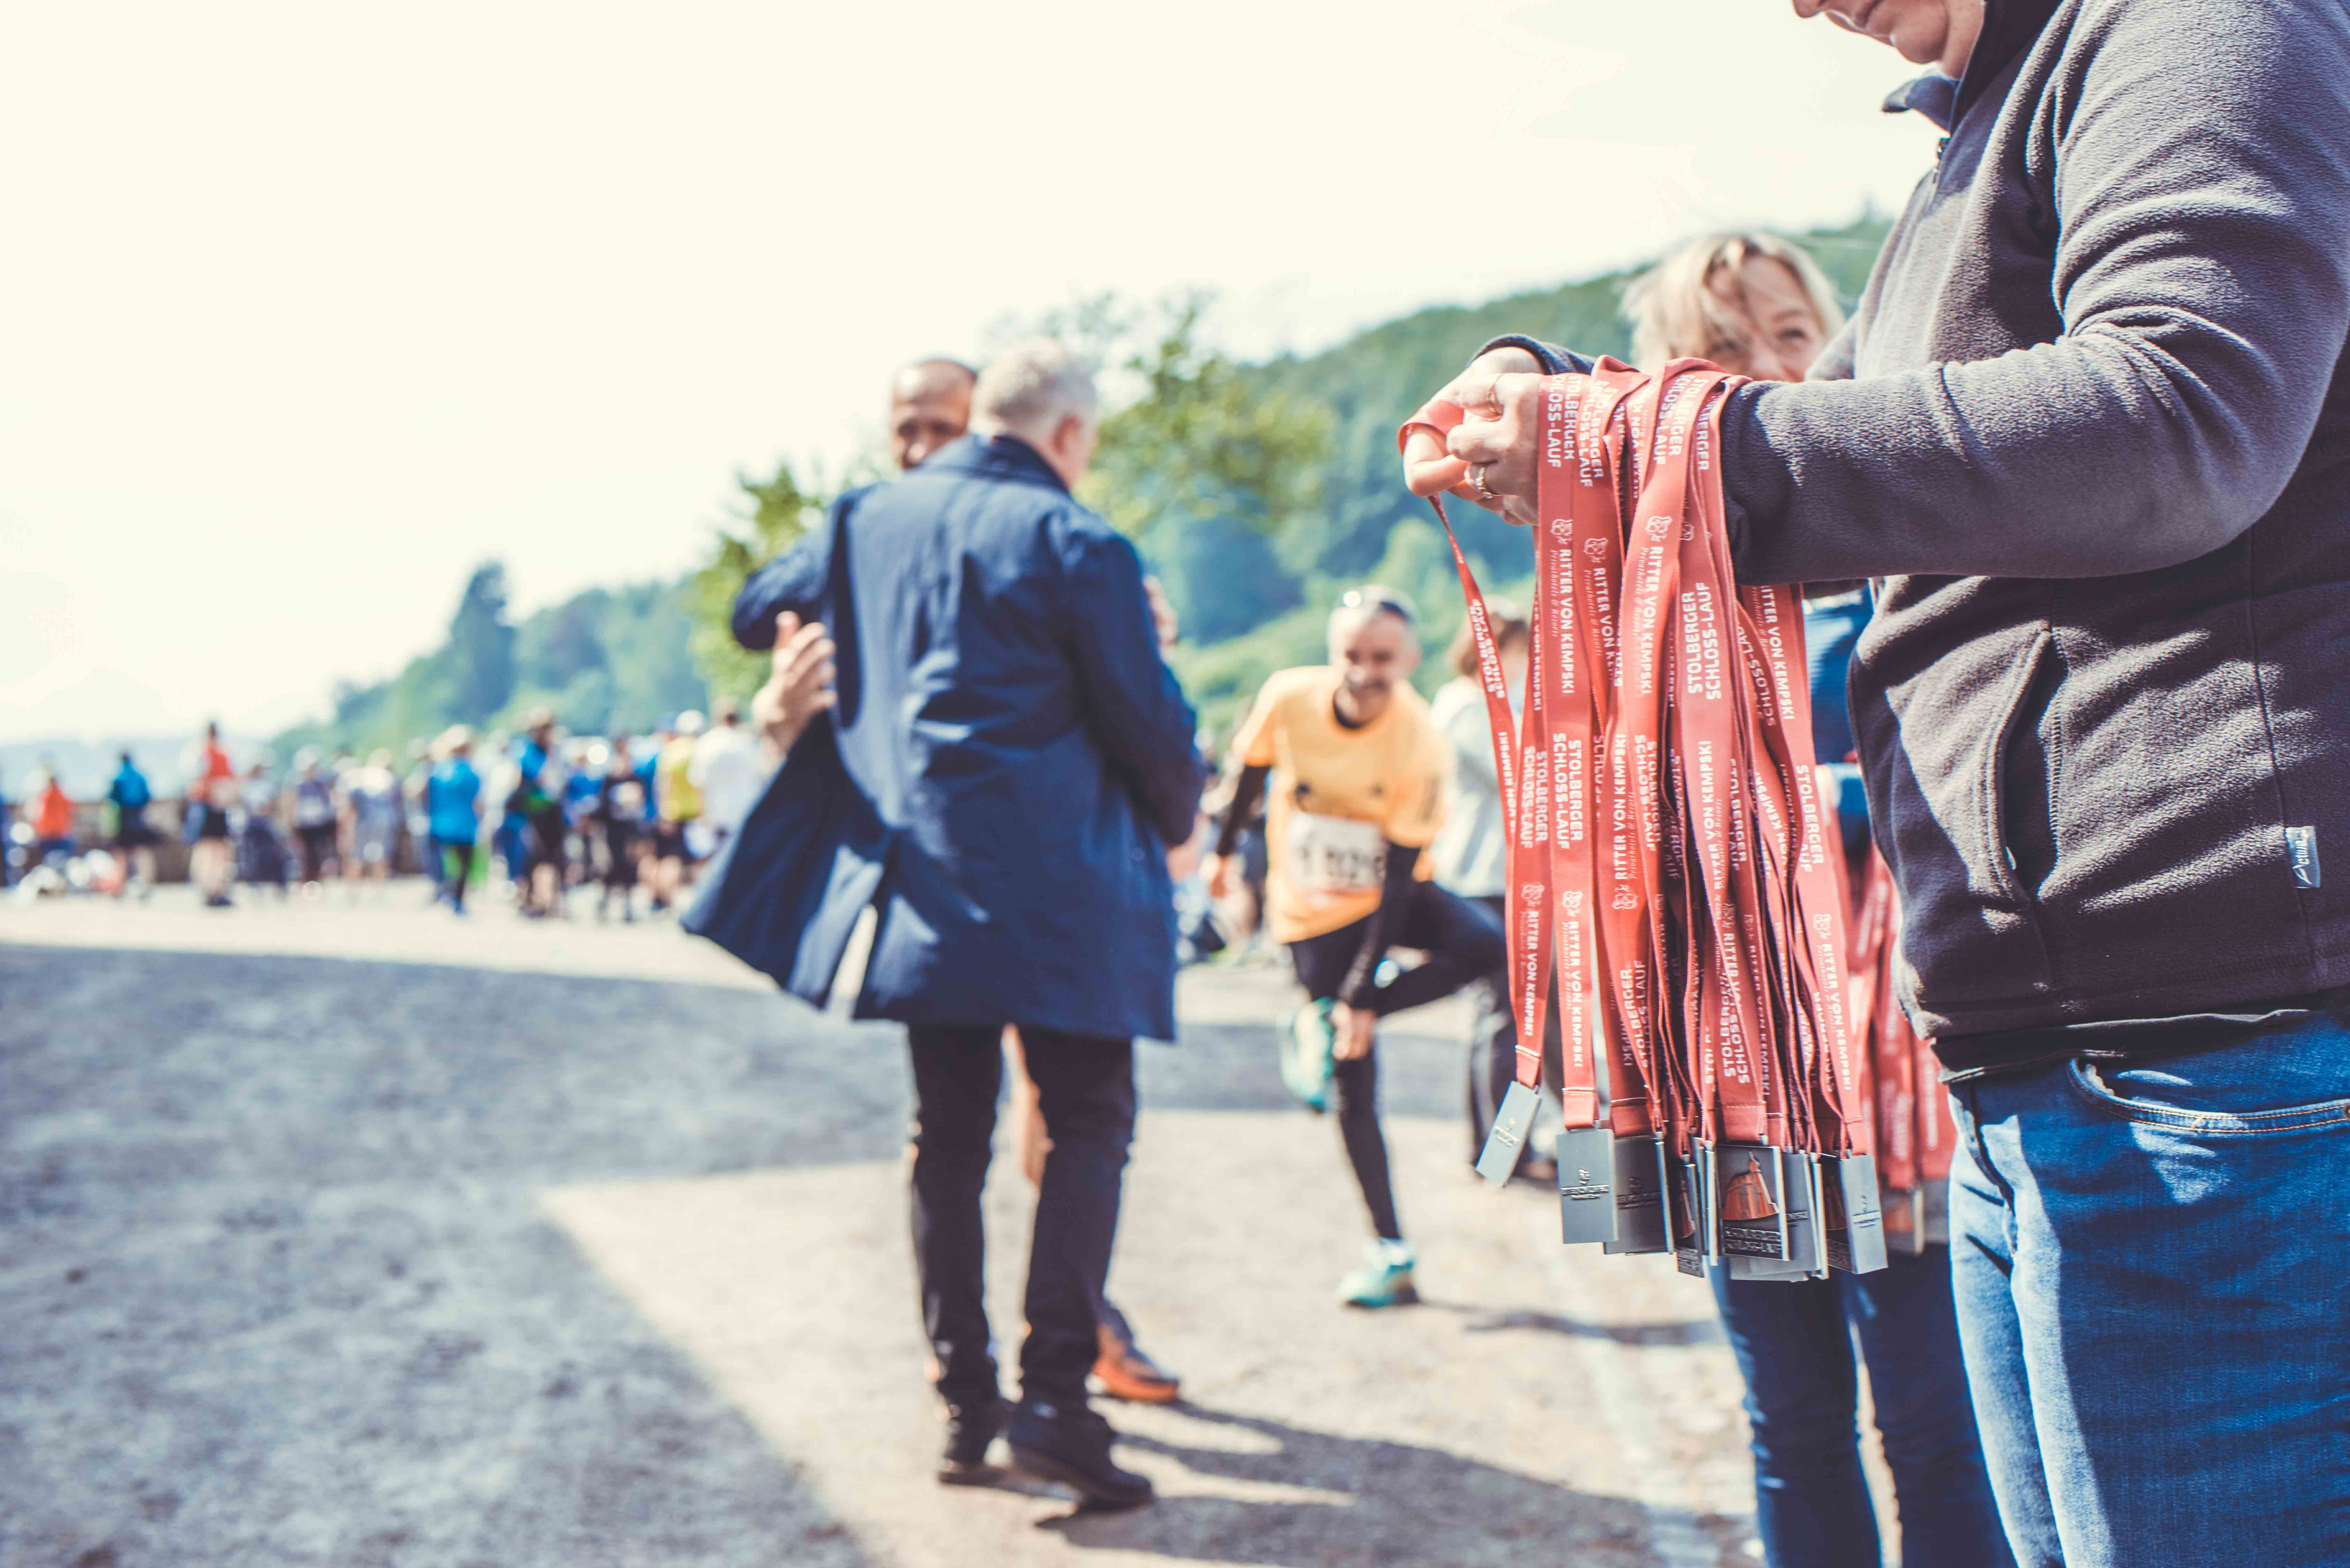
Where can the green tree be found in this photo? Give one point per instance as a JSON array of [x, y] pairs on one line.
[[1198, 439], [770, 515], [1198, 461], [651, 665], [554, 647], [480, 658]]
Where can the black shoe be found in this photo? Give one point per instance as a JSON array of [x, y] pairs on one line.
[[1071, 1446], [970, 1431]]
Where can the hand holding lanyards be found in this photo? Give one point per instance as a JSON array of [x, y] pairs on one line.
[[1498, 400], [1602, 619]]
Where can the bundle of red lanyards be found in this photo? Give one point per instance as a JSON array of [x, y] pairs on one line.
[[1899, 1075], [1673, 869]]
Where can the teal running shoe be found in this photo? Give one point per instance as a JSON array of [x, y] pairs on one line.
[[1384, 1280], [1305, 1054]]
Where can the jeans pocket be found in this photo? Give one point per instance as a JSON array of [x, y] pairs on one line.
[[2204, 1120]]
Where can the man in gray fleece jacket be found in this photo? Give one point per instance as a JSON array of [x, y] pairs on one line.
[[2091, 425]]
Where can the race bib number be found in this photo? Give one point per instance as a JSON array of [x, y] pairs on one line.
[[1332, 857]]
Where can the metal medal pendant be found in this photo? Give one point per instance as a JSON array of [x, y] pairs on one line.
[[1750, 1187], [1807, 1241], [1586, 1185], [1643, 1218], [1799, 1206], [1693, 1209], [1854, 1225], [1507, 1141]]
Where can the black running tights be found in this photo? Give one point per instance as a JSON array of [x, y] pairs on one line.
[[1462, 942]]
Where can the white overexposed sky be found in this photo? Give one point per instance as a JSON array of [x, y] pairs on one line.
[[304, 309]]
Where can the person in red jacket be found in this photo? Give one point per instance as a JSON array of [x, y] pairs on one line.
[[53, 818], [211, 790]]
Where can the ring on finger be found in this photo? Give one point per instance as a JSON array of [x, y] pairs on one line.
[[1477, 477]]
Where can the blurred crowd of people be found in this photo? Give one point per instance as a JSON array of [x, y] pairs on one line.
[[543, 815]]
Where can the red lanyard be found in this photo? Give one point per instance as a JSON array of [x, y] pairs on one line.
[[1896, 1071]]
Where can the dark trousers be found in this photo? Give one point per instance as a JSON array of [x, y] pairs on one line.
[[1493, 1047], [1085, 1086], [1794, 1344], [619, 861], [1462, 943], [318, 842], [457, 859]]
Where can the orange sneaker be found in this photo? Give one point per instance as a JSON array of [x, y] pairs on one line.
[[1123, 1371]]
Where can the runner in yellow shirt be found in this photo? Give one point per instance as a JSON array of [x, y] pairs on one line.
[[1357, 772], [677, 803]]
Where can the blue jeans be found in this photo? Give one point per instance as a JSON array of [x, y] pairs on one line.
[[2150, 1265], [1793, 1344]]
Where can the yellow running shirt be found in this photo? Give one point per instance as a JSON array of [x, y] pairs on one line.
[[674, 796], [1337, 797]]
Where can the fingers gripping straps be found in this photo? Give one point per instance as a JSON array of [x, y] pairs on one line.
[[1430, 468], [1666, 858]]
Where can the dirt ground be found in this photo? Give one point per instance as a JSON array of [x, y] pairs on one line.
[[362, 1235]]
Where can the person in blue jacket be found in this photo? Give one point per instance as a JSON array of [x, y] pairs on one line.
[[453, 800], [134, 836], [1006, 759]]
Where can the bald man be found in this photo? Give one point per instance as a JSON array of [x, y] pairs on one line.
[[929, 405], [929, 408]]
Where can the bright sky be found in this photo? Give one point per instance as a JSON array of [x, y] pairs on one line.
[[310, 307]]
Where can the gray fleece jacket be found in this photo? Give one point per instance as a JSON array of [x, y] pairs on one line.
[[2092, 420]]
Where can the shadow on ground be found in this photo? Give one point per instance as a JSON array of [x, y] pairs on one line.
[[1385, 1502], [1637, 1335]]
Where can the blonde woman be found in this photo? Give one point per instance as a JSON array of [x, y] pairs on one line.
[[1756, 304]]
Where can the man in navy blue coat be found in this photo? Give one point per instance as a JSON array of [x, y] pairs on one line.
[[1014, 757]]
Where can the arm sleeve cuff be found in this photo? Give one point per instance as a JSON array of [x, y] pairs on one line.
[[1555, 362]]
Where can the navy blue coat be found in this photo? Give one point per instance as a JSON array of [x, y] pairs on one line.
[[1008, 761]]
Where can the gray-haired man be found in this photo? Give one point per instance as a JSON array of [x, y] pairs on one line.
[[1006, 761]]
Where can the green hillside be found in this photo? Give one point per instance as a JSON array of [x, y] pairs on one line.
[[1370, 527], [1252, 599], [607, 659]]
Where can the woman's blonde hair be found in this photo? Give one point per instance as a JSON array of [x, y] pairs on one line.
[[1675, 312], [1509, 623]]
